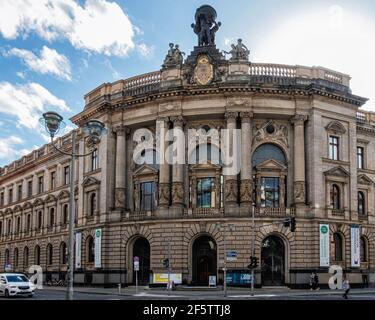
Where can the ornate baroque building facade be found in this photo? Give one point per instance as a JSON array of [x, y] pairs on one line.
[[306, 152]]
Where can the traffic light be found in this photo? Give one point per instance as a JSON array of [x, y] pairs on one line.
[[253, 263], [293, 224], [166, 263]]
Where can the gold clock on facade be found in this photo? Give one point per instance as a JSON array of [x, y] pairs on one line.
[[204, 71]]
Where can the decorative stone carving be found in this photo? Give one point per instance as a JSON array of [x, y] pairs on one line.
[[205, 25], [246, 116], [178, 121], [177, 193], [136, 197], [336, 127], [231, 116], [231, 191], [270, 131], [245, 191], [174, 56], [239, 52], [163, 194], [120, 197], [299, 192], [203, 71]]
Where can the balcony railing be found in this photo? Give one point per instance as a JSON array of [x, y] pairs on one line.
[[273, 212]]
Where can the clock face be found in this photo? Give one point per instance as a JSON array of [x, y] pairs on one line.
[[204, 71]]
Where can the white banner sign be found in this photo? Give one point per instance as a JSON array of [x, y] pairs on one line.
[[78, 249], [163, 278], [356, 246], [98, 248], [324, 245]]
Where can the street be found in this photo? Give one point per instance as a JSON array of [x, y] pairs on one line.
[[159, 294]]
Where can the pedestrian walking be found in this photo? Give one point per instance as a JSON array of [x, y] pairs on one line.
[[316, 281], [346, 287], [312, 281]]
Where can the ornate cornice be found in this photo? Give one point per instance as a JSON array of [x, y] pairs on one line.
[[246, 116]]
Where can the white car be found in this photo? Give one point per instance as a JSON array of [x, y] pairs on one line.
[[12, 284]]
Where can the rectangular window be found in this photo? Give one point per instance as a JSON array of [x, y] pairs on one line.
[[1, 199], [334, 148], [270, 192], [206, 196], [19, 192], [30, 188], [66, 175], [147, 196], [360, 157], [10, 200], [40, 184], [94, 160], [53, 180]]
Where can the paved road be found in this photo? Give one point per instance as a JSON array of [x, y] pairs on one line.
[[59, 294]]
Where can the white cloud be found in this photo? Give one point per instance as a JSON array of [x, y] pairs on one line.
[[145, 50], [49, 62], [27, 102], [334, 37], [8, 148], [98, 26]]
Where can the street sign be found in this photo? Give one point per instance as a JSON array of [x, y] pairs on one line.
[[136, 259], [136, 265], [231, 255], [212, 281]]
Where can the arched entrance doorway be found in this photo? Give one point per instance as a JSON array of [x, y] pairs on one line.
[[204, 260], [273, 261], [141, 249]]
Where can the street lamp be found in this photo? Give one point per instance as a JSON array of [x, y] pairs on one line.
[[223, 228], [53, 123]]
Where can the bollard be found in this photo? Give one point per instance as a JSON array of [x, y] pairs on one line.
[[119, 288]]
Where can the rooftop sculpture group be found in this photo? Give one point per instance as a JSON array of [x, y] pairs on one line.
[[239, 52], [205, 25]]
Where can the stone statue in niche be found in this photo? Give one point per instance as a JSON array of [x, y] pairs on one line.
[[239, 52]]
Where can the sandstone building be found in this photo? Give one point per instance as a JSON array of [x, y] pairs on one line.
[[306, 152]]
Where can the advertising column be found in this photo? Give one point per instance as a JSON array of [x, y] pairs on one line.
[[324, 245]]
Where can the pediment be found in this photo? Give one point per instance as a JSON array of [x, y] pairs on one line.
[[363, 179], [38, 202], [205, 166], [336, 127], [63, 194], [17, 208], [89, 181], [145, 170], [27, 205], [338, 171], [270, 164], [50, 198]]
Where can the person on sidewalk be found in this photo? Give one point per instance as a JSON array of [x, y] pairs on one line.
[[312, 281], [346, 287], [316, 281]]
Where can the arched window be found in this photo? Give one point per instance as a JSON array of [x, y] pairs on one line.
[[94, 160], [364, 249], [90, 249], [51, 217], [65, 214], [92, 204], [25, 257], [1, 228], [9, 227], [18, 228], [49, 254], [37, 255], [335, 197], [268, 151], [338, 243], [63, 253], [361, 203], [206, 153], [15, 260], [40, 219]]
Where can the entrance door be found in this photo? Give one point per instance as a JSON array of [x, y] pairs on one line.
[[273, 261], [141, 249], [204, 260]]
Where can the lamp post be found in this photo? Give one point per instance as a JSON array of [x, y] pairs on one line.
[[253, 245], [53, 122], [223, 228]]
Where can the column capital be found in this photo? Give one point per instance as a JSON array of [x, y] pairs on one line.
[[162, 118], [178, 121], [299, 119], [246, 116], [121, 130], [231, 116]]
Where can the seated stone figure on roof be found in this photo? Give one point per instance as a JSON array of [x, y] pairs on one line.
[[174, 56], [239, 52]]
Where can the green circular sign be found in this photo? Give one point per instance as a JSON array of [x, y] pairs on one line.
[[98, 233], [324, 229]]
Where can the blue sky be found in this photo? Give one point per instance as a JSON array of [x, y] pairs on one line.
[[54, 52]]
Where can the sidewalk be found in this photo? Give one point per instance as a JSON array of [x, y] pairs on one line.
[[131, 291]]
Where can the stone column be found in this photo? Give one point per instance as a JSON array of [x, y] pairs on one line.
[[231, 187], [161, 136], [246, 174], [299, 159], [120, 172], [178, 168]]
